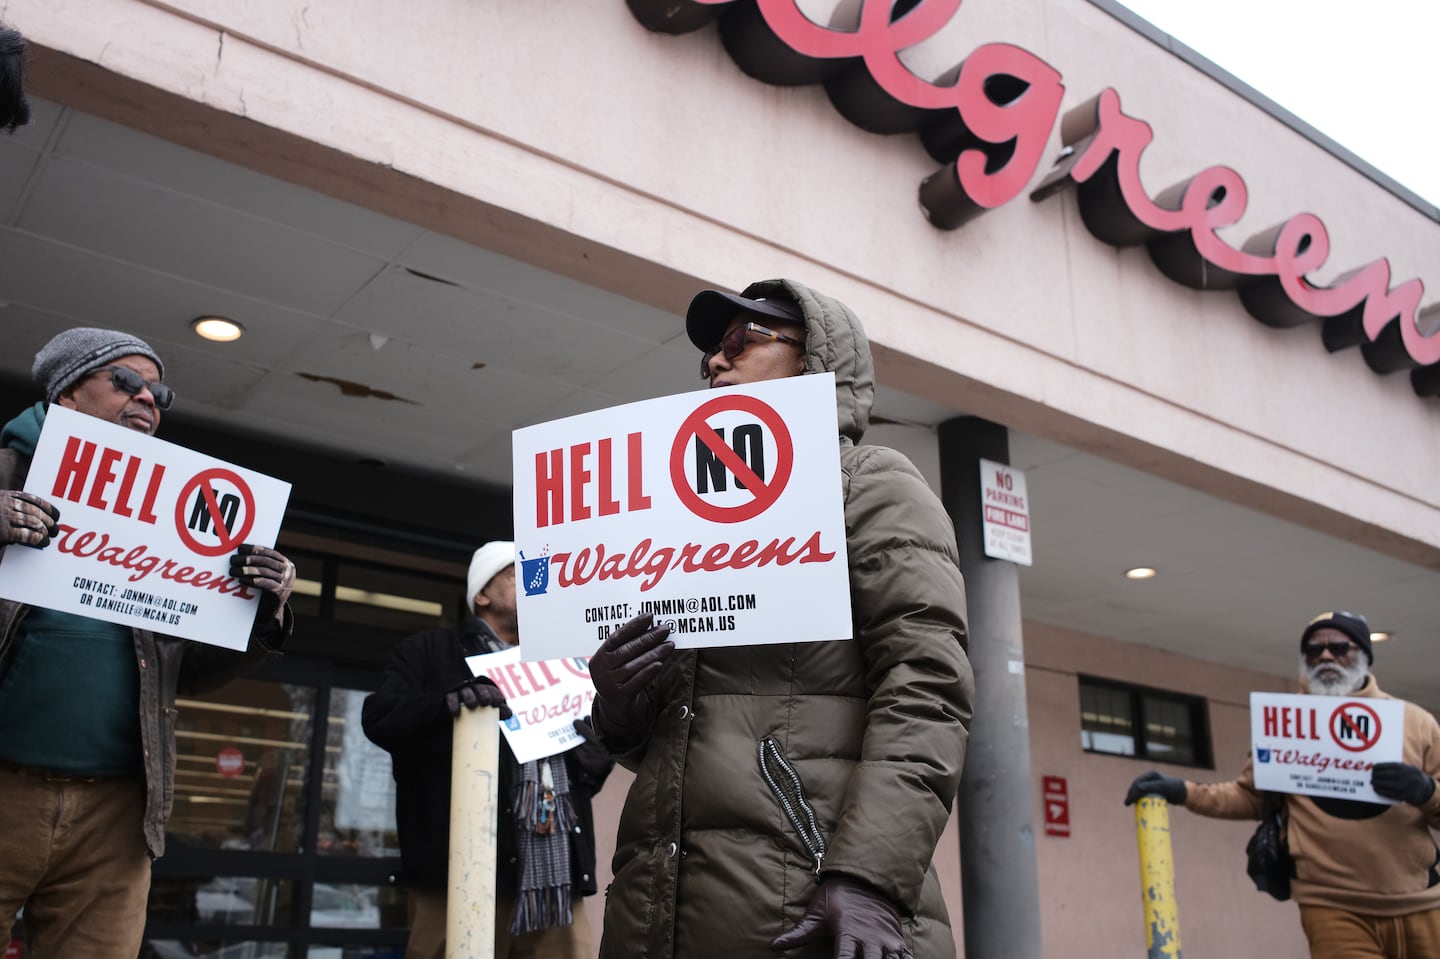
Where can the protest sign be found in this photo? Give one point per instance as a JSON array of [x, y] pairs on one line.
[[720, 512], [1324, 745], [147, 529], [545, 699]]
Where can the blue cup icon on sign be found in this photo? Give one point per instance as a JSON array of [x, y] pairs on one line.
[[535, 574]]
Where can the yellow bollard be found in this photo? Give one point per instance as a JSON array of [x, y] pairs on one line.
[[1157, 878], [474, 787]]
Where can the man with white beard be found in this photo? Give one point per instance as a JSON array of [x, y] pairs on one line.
[[1367, 875]]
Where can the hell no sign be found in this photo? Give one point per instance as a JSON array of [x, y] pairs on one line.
[[146, 530], [710, 510], [1324, 745]]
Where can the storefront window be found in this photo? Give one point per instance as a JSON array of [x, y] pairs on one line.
[[1106, 721], [309, 582], [223, 900], [357, 811], [356, 906], [392, 599], [242, 759], [176, 949], [1153, 724]]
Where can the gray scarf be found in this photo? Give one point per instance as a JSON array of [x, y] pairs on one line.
[[544, 818]]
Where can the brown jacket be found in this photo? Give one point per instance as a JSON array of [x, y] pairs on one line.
[[168, 666], [871, 731], [1367, 858]]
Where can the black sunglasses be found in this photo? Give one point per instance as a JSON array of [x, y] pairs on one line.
[[1339, 649], [734, 343], [128, 381]]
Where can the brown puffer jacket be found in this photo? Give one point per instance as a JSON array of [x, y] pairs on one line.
[[871, 731]]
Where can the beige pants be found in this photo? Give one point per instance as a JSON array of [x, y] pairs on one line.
[[427, 931], [1337, 934], [74, 857]]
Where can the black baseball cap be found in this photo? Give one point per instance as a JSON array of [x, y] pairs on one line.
[[1351, 624], [711, 311]]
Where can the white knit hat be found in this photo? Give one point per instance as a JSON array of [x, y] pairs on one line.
[[487, 561]]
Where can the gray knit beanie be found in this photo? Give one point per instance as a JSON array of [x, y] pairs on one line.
[[74, 353]]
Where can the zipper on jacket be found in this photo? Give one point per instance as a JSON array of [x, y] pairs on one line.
[[785, 784]]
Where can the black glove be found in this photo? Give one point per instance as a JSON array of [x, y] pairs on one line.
[[1403, 782], [1169, 788], [861, 921], [26, 519], [474, 693], [268, 571], [592, 758], [623, 668]]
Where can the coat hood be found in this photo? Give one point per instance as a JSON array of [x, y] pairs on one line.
[[835, 342], [23, 432]]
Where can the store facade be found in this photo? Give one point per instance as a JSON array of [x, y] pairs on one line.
[[441, 227]]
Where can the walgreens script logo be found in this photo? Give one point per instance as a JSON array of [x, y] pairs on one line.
[[988, 122]]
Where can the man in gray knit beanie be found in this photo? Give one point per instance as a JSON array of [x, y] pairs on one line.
[[72, 354], [87, 729]]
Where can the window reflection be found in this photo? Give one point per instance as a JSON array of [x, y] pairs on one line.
[[241, 760], [223, 900], [175, 949], [357, 812]]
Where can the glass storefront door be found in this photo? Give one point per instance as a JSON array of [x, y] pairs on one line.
[[282, 839]]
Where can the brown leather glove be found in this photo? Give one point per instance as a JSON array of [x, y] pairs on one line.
[[268, 571], [474, 693], [860, 920], [623, 668], [26, 519]]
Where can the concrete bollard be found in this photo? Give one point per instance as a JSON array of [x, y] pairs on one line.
[[474, 796]]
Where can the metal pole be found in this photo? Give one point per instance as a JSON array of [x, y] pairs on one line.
[[998, 867], [1157, 878], [474, 791]]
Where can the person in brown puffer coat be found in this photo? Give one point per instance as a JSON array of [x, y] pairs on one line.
[[788, 798]]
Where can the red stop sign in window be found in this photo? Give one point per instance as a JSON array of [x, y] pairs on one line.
[[230, 761]]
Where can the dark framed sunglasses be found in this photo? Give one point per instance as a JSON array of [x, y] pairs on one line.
[[735, 341], [1339, 649], [128, 381]]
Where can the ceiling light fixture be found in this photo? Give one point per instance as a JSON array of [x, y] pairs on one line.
[[1379, 636], [1140, 572], [217, 329]]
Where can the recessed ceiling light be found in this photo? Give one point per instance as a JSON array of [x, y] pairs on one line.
[[1379, 636], [1140, 572], [217, 329]]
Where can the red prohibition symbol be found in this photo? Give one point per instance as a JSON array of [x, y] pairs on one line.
[[1353, 739], [229, 538], [765, 494]]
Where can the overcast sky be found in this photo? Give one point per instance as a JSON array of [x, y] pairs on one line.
[[1367, 75]]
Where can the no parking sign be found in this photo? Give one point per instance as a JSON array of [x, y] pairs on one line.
[[719, 512], [146, 532]]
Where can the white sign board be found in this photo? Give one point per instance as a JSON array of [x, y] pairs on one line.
[[1324, 745], [545, 699], [720, 512], [1006, 512], [147, 529]]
